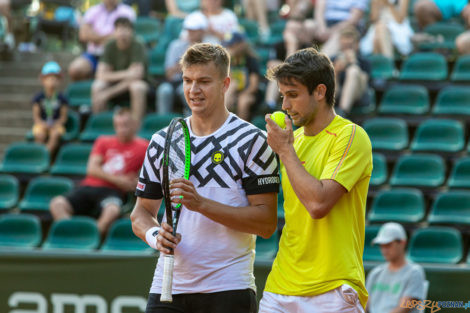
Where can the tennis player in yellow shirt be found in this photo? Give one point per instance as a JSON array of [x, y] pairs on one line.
[[326, 168]]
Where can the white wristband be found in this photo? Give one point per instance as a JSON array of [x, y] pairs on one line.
[[151, 237]]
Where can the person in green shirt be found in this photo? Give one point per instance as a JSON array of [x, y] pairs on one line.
[[122, 70]]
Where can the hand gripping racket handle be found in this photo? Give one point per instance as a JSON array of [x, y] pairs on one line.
[[168, 262]]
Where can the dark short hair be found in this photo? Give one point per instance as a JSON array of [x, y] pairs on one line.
[[123, 22], [204, 53], [310, 68]]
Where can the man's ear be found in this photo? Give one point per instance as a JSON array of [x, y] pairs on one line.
[[320, 92], [226, 83]]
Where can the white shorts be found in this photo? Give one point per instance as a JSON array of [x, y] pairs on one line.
[[343, 299]]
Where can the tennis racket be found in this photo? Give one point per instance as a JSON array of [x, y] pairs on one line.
[[176, 164]]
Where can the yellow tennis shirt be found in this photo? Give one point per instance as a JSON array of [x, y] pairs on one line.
[[318, 255]]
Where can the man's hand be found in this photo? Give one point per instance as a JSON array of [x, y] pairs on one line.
[[280, 140], [183, 191], [166, 240]]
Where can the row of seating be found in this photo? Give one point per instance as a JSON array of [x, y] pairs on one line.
[[420, 170]]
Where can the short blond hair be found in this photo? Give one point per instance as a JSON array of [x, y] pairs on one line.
[[204, 53]]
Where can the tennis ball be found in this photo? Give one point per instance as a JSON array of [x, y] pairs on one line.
[[280, 118]]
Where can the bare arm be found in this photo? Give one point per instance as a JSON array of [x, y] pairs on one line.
[[318, 196], [87, 34], [63, 116], [354, 19], [375, 8], [144, 216], [173, 9], [259, 217], [105, 72], [401, 12], [126, 183], [254, 83], [37, 114], [320, 6]]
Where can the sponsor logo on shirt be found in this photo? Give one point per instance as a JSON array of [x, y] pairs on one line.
[[141, 186], [268, 180]]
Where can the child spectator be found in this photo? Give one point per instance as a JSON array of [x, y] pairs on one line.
[[49, 108]]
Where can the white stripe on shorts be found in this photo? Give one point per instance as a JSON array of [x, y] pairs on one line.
[[343, 299]]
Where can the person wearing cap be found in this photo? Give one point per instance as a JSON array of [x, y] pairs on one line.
[[122, 71], [244, 73], [194, 28], [49, 108], [398, 280]]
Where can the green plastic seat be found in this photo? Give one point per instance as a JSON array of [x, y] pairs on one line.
[[442, 135], [276, 28], [41, 190], [448, 31], [72, 159], [171, 30], [461, 72], [420, 170], [72, 127], [259, 122], [452, 100], [436, 245], [77, 233], [25, 157], [372, 252], [424, 66], [403, 205], [154, 122], [382, 67], [379, 170], [250, 29], [97, 125], [280, 204], [460, 174], [387, 133], [9, 191], [266, 249], [405, 99], [157, 62], [20, 231], [79, 93], [148, 29], [120, 237], [451, 207]]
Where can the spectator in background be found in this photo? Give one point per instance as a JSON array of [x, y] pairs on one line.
[[6, 7], [96, 28], [428, 12], [244, 76], [49, 108], [112, 172], [352, 71], [330, 16], [181, 8], [221, 20], [396, 281], [390, 28], [257, 10], [195, 25], [122, 68], [462, 42]]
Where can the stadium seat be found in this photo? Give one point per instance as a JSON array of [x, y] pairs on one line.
[[9, 192], [120, 237], [461, 72], [157, 62], [72, 127], [23, 157], [405, 99], [382, 67], [79, 93], [41, 190], [365, 105], [424, 66], [277, 28], [20, 231], [403, 205], [448, 31], [266, 249], [453, 100], [154, 122], [280, 204], [421, 170], [259, 122], [460, 174], [442, 135], [72, 159], [451, 207], [171, 30], [250, 28], [77, 233], [436, 245], [97, 125], [387, 133], [372, 252], [379, 171], [148, 29]]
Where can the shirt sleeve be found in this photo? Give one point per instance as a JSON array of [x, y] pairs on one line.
[[63, 100], [138, 53], [149, 185], [414, 286], [351, 157], [99, 146], [90, 15], [106, 57], [261, 172]]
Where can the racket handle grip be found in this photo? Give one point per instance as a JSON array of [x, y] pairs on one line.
[[168, 263]]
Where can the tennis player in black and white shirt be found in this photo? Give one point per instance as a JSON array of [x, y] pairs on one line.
[[230, 197]]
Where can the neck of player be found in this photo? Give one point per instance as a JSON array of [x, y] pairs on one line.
[[208, 122], [323, 117]]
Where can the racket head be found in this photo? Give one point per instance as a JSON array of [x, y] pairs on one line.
[[176, 163]]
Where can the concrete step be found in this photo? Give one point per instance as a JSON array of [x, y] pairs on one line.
[[16, 118], [42, 57], [12, 134], [15, 86], [16, 101]]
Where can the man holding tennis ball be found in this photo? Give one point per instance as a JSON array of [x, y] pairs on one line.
[[326, 166]]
